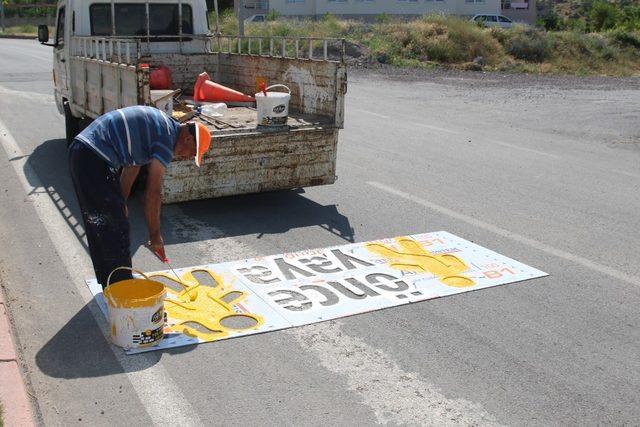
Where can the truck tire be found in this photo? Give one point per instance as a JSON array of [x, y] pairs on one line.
[[71, 124]]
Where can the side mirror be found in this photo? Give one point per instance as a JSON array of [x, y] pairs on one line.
[[43, 33]]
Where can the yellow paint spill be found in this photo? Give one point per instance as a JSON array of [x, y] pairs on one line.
[[204, 306], [412, 256]]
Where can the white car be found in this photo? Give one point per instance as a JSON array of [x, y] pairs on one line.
[[256, 18], [490, 20]]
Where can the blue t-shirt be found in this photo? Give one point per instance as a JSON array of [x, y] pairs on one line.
[[132, 136]]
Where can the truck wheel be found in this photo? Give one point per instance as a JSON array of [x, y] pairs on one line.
[[71, 124]]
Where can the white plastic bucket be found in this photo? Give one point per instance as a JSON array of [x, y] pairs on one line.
[[273, 109], [136, 311]]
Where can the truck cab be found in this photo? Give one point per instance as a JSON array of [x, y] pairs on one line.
[[167, 23]]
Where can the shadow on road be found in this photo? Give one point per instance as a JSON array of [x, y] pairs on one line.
[[265, 213], [80, 350]]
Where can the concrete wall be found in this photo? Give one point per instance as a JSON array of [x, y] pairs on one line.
[[368, 9], [469, 8], [513, 9]]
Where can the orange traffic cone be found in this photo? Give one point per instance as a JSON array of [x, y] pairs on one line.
[[206, 90]]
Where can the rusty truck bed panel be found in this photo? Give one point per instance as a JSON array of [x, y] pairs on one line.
[[253, 163]]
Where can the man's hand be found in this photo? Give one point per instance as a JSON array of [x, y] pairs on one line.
[[156, 244]]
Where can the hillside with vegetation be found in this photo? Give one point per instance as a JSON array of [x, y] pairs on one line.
[[596, 48]]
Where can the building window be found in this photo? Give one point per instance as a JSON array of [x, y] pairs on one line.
[[474, 1], [515, 4], [292, 1], [337, 1]]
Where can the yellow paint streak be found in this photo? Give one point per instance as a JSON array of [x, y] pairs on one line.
[[204, 306], [412, 256]]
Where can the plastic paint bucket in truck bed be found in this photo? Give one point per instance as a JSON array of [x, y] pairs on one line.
[[273, 109], [136, 311]]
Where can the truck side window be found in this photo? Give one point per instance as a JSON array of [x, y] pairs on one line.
[[163, 19], [100, 17], [131, 19], [60, 28]]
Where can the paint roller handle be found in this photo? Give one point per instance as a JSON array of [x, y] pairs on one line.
[[125, 268]]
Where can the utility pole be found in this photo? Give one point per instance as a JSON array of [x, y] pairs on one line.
[[240, 17]]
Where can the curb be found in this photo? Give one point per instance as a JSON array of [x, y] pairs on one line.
[[13, 393], [16, 36]]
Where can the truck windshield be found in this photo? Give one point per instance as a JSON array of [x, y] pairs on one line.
[[131, 19]]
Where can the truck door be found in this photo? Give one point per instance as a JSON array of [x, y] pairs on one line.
[[61, 54]]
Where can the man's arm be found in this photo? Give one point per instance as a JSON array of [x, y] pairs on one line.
[[127, 178], [152, 203]]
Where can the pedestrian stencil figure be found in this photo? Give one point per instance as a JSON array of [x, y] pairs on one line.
[[104, 161]]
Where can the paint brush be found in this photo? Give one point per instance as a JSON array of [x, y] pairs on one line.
[[163, 257]]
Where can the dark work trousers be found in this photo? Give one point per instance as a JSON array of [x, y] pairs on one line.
[[106, 226]]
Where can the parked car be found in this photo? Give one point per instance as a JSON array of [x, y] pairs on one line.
[[493, 20], [256, 18]]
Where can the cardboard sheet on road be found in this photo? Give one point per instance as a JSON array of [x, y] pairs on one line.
[[232, 299]]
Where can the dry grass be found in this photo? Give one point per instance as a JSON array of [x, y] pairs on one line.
[[23, 30], [442, 40]]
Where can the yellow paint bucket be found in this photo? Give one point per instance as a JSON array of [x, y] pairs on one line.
[[136, 311]]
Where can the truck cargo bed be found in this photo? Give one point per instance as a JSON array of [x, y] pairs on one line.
[[244, 120]]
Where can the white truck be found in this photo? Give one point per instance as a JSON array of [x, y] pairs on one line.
[[103, 52]]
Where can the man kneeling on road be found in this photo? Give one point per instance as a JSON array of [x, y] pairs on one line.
[[124, 140]]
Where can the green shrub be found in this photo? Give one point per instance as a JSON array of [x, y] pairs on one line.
[[551, 21], [382, 18], [442, 38], [573, 24], [273, 15], [631, 17], [626, 38], [528, 45], [604, 16]]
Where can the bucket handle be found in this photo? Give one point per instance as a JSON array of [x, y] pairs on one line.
[[125, 268], [278, 85]]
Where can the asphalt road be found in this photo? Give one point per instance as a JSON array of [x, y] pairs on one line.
[[544, 170]]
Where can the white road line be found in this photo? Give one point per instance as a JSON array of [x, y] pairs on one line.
[[592, 265], [397, 397], [32, 96], [437, 128], [382, 116], [529, 150], [394, 395], [162, 398]]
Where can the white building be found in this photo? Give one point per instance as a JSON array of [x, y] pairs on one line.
[[369, 9]]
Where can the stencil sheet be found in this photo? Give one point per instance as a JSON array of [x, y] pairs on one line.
[[281, 291]]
